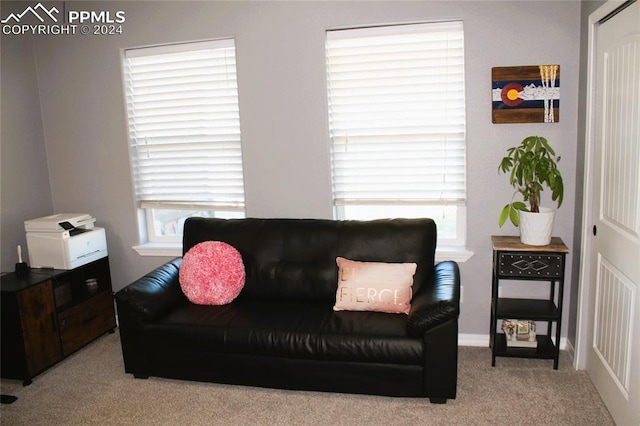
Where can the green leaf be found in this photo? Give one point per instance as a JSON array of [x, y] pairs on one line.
[[547, 146], [513, 215], [519, 205], [504, 215], [510, 211], [558, 191], [505, 164]]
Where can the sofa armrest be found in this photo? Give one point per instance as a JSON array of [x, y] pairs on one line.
[[437, 301], [155, 294]]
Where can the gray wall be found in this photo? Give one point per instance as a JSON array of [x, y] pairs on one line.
[[25, 190], [280, 54]]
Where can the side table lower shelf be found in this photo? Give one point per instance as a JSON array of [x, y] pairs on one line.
[[545, 349]]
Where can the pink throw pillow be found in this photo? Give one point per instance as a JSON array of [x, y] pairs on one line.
[[212, 273], [373, 286]]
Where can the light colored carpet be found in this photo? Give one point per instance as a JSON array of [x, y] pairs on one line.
[[90, 387]]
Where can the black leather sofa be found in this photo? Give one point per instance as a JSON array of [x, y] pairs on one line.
[[281, 331]]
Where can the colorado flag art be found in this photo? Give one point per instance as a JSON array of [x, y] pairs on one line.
[[528, 94]]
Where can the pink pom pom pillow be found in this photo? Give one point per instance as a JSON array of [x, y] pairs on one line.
[[212, 273]]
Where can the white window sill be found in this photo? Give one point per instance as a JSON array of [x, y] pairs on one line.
[[458, 254], [159, 249]]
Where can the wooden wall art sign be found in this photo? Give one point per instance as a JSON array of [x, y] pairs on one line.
[[528, 94]]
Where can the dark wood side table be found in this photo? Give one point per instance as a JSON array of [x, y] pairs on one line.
[[513, 260], [49, 314]]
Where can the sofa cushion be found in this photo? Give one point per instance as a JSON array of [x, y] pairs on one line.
[[374, 286], [301, 330], [212, 273]]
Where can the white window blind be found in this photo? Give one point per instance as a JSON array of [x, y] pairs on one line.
[[397, 114], [184, 126]]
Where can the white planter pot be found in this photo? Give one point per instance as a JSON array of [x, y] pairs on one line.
[[536, 228]]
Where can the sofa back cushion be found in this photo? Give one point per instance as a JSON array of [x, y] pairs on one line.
[[295, 259]]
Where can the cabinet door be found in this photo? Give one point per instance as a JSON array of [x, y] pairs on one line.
[[38, 320], [85, 321]]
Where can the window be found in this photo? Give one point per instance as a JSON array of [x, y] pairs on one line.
[[397, 124], [184, 134]]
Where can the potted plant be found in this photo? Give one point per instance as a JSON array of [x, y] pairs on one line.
[[532, 165]]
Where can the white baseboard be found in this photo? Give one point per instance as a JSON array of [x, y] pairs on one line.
[[481, 340]]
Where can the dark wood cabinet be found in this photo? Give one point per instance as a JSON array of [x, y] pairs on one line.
[[49, 314]]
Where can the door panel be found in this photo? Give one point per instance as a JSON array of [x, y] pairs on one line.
[[612, 358]]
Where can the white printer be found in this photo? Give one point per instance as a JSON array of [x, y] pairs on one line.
[[64, 241]]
